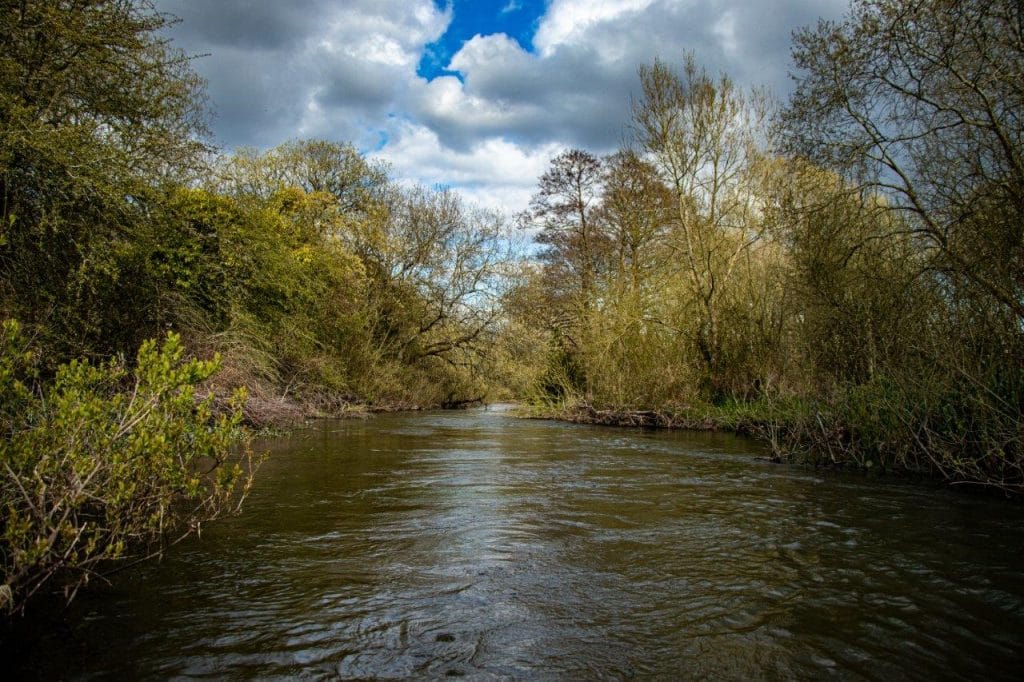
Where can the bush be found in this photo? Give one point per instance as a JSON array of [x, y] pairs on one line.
[[107, 464]]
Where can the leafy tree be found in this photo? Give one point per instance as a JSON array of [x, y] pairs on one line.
[[404, 296], [96, 113], [854, 294], [268, 289], [315, 166], [637, 212]]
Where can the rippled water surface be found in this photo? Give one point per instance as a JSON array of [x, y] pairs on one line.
[[476, 544]]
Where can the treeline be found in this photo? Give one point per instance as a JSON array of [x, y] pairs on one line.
[[843, 275], [311, 272], [303, 275]]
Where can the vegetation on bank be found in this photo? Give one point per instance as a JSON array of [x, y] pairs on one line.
[[102, 464], [318, 279], [841, 275], [302, 274]]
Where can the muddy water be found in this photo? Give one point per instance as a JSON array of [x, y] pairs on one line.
[[476, 544]]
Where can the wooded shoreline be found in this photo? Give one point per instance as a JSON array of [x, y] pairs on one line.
[[841, 275]]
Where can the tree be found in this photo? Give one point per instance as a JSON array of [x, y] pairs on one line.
[[703, 135], [98, 71], [919, 106], [96, 113], [922, 101], [564, 205], [855, 301], [437, 264], [636, 211], [409, 319], [315, 166]]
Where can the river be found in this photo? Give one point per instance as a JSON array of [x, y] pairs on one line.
[[476, 544]]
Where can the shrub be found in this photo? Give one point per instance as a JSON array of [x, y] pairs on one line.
[[106, 464]]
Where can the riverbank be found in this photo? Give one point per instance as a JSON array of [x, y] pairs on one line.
[[802, 432], [275, 409], [747, 419]]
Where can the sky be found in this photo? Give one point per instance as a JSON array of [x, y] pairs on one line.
[[477, 95]]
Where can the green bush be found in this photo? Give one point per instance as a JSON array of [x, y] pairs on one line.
[[105, 465]]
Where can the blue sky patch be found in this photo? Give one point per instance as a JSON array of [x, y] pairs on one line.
[[518, 19]]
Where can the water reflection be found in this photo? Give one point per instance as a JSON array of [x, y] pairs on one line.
[[475, 544]]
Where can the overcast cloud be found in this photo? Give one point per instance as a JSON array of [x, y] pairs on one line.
[[347, 70]]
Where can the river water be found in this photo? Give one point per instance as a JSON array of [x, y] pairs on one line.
[[477, 544]]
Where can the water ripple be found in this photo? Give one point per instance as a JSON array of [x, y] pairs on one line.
[[476, 545]]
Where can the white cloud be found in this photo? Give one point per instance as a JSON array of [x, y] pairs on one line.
[[493, 172], [496, 51], [347, 71], [725, 29], [391, 32], [569, 20]]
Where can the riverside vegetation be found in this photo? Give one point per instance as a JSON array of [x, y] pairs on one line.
[[842, 275]]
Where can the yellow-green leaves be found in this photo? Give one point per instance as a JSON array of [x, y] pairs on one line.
[[106, 461]]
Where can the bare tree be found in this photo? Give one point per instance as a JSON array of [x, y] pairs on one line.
[[923, 101], [564, 206], [437, 264]]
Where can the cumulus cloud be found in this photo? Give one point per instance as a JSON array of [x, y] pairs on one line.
[[568, 22], [279, 70], [492, 172]]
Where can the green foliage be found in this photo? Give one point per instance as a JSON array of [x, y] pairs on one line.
[[364, 291], [958, 426], [102, 464], [856, 304], [97, 112], [16, 375]]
